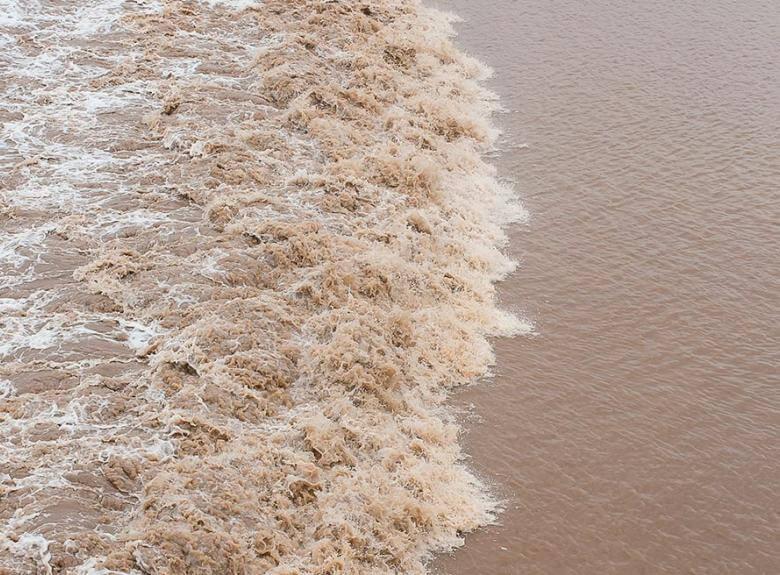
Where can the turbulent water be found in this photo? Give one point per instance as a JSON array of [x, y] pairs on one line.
[[246, 249]]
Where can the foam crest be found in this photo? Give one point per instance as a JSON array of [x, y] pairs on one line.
[[248, 248]]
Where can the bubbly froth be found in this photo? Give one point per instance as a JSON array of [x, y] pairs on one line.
[[246, 250]]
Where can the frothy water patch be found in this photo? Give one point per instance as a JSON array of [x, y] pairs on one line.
[[234, 4], [247, 250]]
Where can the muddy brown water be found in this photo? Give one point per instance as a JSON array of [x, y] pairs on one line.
[[241, 263], [638, 432], [240, 266]]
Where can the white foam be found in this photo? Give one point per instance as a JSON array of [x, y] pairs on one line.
[[30, 546], [97, 17], [7, 389], [12, 14], [139, 334], [233, 4], [12, 243]]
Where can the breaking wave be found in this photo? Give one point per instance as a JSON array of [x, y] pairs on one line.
[[247, 249]]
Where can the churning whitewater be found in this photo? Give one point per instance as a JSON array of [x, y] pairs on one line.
[[246, 250]]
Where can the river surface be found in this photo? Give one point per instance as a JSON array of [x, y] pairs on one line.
[[246, 249], [638, 431]]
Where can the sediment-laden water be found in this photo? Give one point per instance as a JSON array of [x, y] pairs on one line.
[[639, 431], [246, 249]]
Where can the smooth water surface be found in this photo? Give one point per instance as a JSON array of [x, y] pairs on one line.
[[638, 432]]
